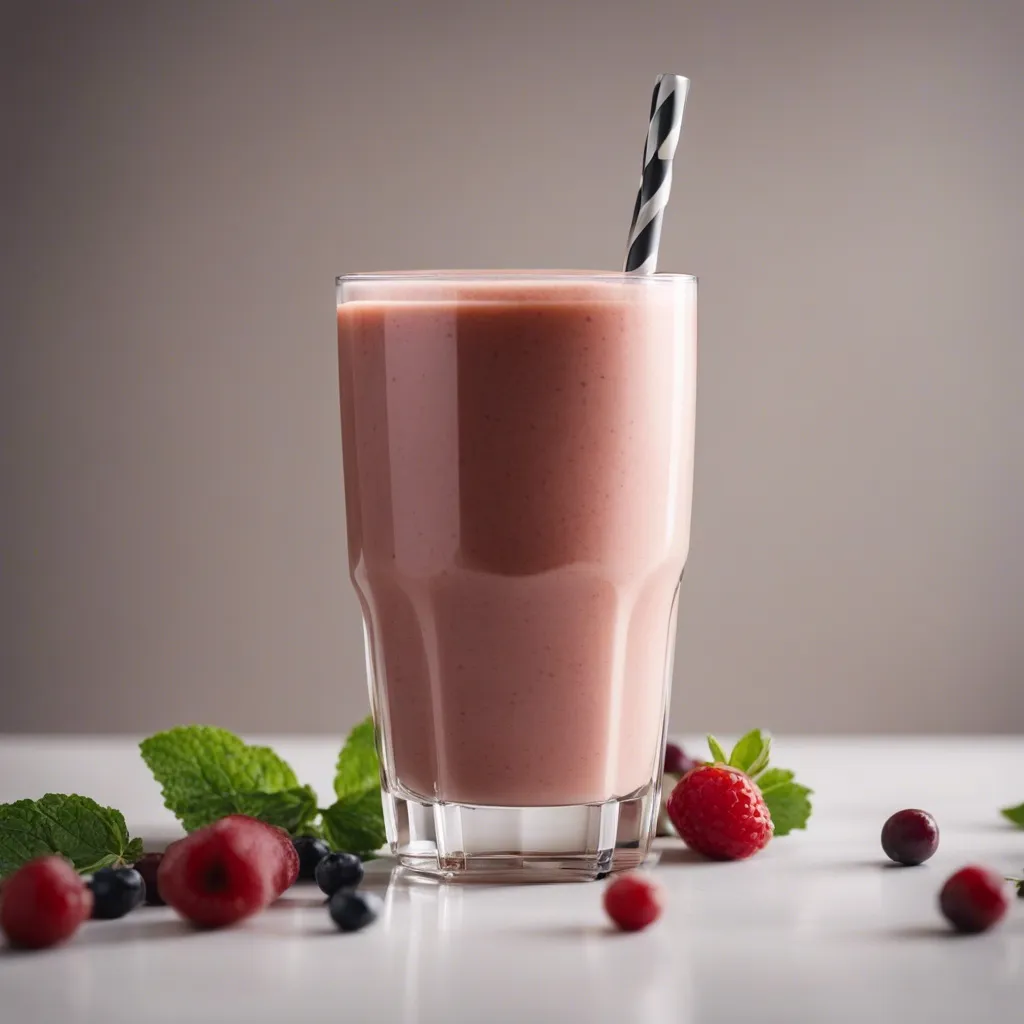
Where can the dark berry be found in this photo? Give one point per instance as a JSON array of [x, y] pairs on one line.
[[677, 761], [974, 899], [910, 837], [44, 902], [633, 901], [311, 851], [338, 871], [222, 873], [351, 911], [116, 892], [148, 867]]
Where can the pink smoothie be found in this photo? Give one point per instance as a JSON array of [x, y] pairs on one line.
[[518, 473]]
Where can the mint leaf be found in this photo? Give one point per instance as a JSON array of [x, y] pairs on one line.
[[355, 824], [789, 806], [86, 833], [773, 777], [24, 835], [206, 773], [358, 769], [1014, 814], [717, 753], [290, 809], [750, 754]]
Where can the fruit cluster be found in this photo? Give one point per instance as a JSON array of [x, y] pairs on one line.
[[720, 810], [216, 876]]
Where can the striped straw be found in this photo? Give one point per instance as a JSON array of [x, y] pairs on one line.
[[656, 181]]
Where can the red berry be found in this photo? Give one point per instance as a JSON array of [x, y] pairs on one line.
[[719, 812], [148, 866], [910, 837], [974, 899], [222, 873], [44, 902], [288, 868], [634, 901]]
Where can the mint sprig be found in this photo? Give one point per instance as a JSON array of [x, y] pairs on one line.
[[355, 821], [206, 773], [86, 833], [1014, 814], [788, 802]]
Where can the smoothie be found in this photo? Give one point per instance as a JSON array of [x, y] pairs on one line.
[[518, 456]]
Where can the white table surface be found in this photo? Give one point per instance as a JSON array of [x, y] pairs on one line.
[[815, 929]]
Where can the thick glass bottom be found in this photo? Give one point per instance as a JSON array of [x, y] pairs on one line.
[[468, 842]]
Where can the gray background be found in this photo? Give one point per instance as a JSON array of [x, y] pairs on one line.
[[181, 181]]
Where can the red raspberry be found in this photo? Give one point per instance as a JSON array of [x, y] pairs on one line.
[[222, 873], [634, 901], [44, 902], [974, 899], [719, 812], [288, 869]]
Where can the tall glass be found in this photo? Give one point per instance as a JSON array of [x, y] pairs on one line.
[[518, 454]]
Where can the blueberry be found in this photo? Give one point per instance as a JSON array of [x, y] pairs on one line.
[[338, 871], [311, 851], [910, 837], [115, 892], [351, 911]]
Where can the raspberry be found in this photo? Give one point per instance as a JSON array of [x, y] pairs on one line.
[[719, 812], [44, 902], [288, 869], [974, 899], [222, 873], [910, 837], [633, 901]]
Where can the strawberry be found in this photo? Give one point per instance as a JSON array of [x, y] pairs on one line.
[[719, 811]]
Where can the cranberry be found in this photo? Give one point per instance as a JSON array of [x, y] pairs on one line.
[[910, 837], [148, 867], [974, 899], [677, 761], [633, 901]]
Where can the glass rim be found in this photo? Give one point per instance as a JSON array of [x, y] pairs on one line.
[[466, 276]]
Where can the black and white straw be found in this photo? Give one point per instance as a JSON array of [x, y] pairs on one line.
[[656, 181]]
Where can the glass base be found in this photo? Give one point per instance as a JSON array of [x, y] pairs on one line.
[[470, 842]]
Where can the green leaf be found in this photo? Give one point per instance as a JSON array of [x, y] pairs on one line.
[[358, 769], [717, 753], [86, 833], [751, 753], [206, 773], [24, 835], [789, 806], [773, 777], [355, 824], [1014, 814], [290, 809]]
